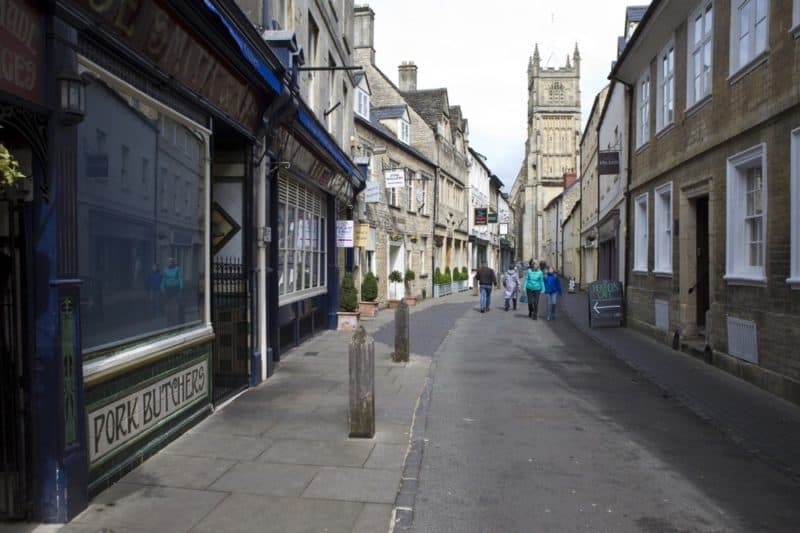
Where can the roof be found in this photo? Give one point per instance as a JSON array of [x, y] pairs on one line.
[[635, 13], [430, 104], [389, 111], [387, 134]]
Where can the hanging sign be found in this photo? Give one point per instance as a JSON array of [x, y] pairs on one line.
[[22, 49], [492, 218], [480, 216], [344, 233], [503, 228], [361, 238], [372, 194], [607, 163], [395, 178]]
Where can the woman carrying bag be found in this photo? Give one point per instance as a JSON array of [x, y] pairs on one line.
[[534, 284]]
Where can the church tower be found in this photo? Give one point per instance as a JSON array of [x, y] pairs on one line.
[[554, 129]]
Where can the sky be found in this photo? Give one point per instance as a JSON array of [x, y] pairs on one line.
[[480, 54]]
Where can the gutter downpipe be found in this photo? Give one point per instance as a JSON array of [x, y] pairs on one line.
[[628, 176]]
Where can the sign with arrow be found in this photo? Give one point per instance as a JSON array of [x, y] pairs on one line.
[[606, 303]]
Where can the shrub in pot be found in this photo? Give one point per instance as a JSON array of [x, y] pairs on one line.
[[369, 287], [348, 296]]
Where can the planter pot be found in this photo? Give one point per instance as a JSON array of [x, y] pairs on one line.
[[347, 321], [368, 309], [410, 300], [393, 304]]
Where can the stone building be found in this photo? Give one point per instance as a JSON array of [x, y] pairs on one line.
[[714, 247], [484, 194], [551, 149], [557, 245], [589, 191]]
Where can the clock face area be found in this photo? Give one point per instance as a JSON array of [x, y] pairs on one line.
[[556, 92]]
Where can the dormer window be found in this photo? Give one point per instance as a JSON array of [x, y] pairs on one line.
[[362, 103], [403, 131]]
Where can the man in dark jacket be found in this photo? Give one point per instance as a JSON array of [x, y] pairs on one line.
[[486, 280]]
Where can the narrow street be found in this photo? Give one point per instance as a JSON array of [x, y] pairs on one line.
[[532, 426]]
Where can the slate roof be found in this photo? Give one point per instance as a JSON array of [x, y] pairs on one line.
[[429, 104], [389, 111], [379, 128], [635, 13]]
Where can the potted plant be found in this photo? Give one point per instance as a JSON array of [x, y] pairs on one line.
[[409, 277], [395, 277], [348, 304], [12, 180], [368, 306]]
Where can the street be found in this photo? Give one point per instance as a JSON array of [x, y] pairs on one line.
[[532, 426]]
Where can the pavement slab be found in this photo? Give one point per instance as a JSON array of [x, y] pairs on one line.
[[354, 484], [168, 470], [387, 456], [221, 446], [319, 453], [266, 479]]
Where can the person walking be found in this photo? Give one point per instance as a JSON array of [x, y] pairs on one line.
[[510, 287], [534, 284], [552, 288], [486, 280]]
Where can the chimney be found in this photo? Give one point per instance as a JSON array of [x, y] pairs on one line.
[[569, 179], [407, 72], [364, 30]]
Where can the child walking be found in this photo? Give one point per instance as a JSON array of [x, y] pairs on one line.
[[552, 288]]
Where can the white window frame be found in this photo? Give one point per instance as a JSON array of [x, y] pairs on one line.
[[641, 238], [643, 109], [794, 207], [748, 37], [702, 47], [410, 193], [737, 265], [362, 103], [403, 131], [795, 16], [665, 96], [662, 230]]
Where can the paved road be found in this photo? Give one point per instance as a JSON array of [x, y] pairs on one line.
[[531, 426], [428, 327]]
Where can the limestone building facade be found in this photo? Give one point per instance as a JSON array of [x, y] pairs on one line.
[[552, 146]]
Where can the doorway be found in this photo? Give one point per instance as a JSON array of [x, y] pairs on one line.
[[702, 286]]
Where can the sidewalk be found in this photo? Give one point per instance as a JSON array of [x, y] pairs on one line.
[[763, 424], [277, 457]]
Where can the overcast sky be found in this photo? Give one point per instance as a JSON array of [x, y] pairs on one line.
[[479, 51]]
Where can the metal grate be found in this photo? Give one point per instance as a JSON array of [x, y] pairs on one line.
[[662, 314], [742, 339], [231, 324]]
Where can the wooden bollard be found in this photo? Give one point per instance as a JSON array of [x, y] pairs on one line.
[[401, 331], [361, 414]]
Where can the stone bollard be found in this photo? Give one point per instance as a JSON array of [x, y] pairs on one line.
[[401, 327], [361, 414]]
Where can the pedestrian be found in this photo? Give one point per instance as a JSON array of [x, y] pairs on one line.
[[154, 289], [510, 287], [171, 287], [552, 288], [486, 280], [534, 284]]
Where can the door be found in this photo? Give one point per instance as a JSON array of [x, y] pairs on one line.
[[13, 474], [702, 287]]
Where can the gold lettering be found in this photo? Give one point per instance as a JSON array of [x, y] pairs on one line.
[[101, 6], [126, 14], [159, 34]]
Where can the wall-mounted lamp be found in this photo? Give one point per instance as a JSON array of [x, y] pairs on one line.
[[72, 98]]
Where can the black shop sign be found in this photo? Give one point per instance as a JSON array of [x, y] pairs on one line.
[[606, 303]]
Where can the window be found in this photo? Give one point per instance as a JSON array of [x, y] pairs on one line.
[[640, 239], [422, 207], [362, 103], [423, 247], [746, 208], [143, 269], [794, 208], [313, 48], [796, 14], [403, 129], [662, 229], [665, 100], [301, 241], [392, 197], [698, 79], [643, 110], [409, 194], [749, 31]]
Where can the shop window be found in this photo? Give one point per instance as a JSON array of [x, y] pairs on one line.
[[746, 208], [141, 265], [301, 241]]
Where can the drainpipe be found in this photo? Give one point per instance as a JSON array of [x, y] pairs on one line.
[[433, 228]]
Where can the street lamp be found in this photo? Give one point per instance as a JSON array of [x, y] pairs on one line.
[[72, 98]]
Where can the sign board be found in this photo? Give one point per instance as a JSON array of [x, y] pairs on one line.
[[395, 178], [114, 424], [22, 50], [503, 228], [372, 194], [606, 303], [480, 216], [344, 233], [608, 162], [361, 237], [492, 218]]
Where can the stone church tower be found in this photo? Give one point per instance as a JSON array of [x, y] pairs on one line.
[[552, 147]]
